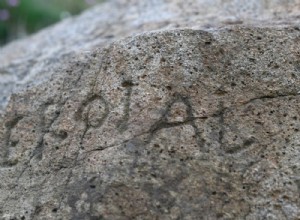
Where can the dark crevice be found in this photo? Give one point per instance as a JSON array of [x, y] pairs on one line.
[[266, 97], [123, 123]]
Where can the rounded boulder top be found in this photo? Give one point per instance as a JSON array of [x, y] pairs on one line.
[[154, 110]]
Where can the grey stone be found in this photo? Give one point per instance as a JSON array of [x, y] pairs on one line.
[[187, 123], [33, 60]]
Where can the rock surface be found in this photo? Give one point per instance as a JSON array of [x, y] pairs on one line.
[[34, 59], [193, 123]]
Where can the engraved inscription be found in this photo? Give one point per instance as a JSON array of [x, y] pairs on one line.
[[123, 123], [169, 118]]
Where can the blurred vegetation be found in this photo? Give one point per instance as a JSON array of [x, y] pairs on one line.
[[19, 18]]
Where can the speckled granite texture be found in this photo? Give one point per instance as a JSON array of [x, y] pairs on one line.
[[34, 59], [188, 123]]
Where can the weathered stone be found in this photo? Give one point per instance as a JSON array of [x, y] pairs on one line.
[[170, 124], [25, 63]]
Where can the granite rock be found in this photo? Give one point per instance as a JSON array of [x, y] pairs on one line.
[[35, 59], [186, 123]]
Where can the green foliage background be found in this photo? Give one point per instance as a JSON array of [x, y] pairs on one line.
[[32, 15]]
